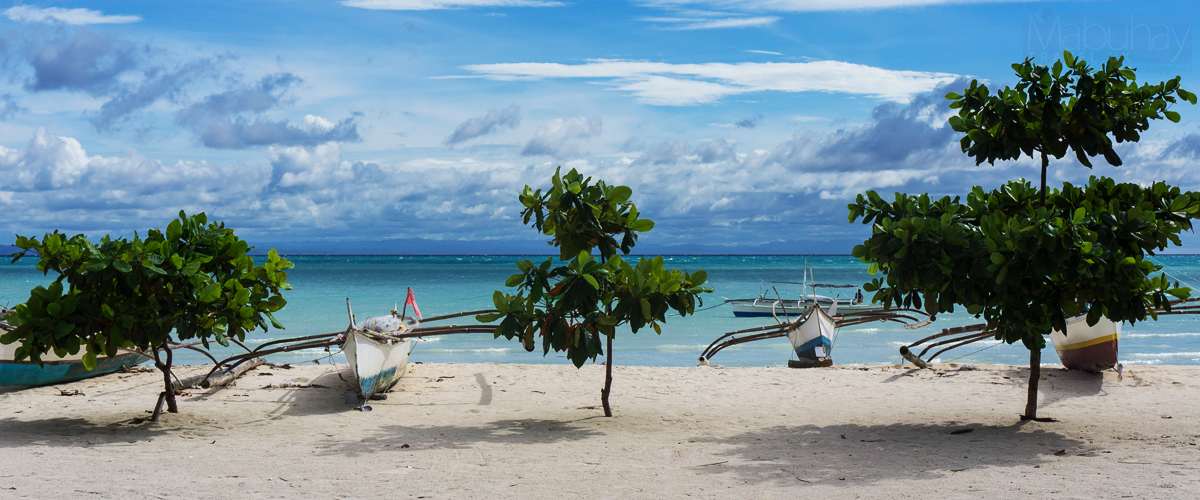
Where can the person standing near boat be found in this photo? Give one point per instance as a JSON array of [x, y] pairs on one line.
[[858, 296]]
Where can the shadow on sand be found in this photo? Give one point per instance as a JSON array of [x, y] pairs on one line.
[[516, 431], [854, 454], [74, 432]]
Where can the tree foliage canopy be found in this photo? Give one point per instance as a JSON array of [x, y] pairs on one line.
[[570, 305], [1067, 106], [193, 279], [1021, 265]]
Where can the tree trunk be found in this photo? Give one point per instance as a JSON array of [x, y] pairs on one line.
[[1045, 165], [167, 395], [1035, 374], [608, 362]]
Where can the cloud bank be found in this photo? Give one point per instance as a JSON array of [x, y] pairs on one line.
[[814, 5], [444, 4], [556, 137], [667, 84], [30, 14]]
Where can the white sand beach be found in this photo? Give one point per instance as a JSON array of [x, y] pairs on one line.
[[536, 431]]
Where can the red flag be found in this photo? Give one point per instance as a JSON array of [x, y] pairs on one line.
[[412, 301]]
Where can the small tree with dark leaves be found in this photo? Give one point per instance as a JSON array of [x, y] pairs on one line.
[[1014, 255], [571, 305], [192, 281]]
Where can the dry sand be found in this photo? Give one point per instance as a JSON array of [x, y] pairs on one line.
[[536, 431]]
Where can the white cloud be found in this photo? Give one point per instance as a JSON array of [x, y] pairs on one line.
[[686, 23], [814, 5], [554, 138], [28, 14], [444, 4], [53, 182], [669, 84], [752, 51], [486, 124]]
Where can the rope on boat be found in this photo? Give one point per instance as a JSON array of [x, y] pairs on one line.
[[1165, 267], [975, 352]]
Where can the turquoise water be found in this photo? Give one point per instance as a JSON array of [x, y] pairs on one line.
[[448, 284]]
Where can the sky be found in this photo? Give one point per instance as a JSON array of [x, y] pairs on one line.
[[409, 126]]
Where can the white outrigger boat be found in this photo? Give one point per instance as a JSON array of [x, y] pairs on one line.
[[812, 334], [766, 306], [377, 353]]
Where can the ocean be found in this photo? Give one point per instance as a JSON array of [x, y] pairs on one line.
[[449, 284]]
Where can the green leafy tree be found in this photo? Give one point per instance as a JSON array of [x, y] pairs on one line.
[[1016, 256], [1068, 106], [571, 305], [192, 281]]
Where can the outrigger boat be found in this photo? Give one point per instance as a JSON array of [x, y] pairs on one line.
[[813, 333], [1082, 347], [1088, 348], [766, 306], [376, 349], [55, 369]]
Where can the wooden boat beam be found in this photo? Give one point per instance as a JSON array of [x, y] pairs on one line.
[[713, 350]]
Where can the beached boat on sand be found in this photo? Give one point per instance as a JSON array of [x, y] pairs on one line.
[[55, 369], [376, 356], [1083, 347], [811, 336], [1087, 348]]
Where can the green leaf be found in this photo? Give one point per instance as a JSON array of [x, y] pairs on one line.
[[1080, 213], [209, 293], [641, 225], [488, 317], [591, 281], [514, 280], [122, 266], [89, 360], [274, 322], [620, 194], [1171, 115]]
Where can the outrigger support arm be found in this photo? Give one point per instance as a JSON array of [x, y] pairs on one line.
[[781, 330], [958, 336]]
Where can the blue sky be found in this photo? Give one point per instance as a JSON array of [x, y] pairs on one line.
[[408, 126]]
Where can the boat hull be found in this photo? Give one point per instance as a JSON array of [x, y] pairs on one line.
[[25, 373], [810, 337], [377, 365], [1088, 348]]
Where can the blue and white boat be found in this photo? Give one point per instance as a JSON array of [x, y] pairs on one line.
[[378, 359], [811, 336]]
